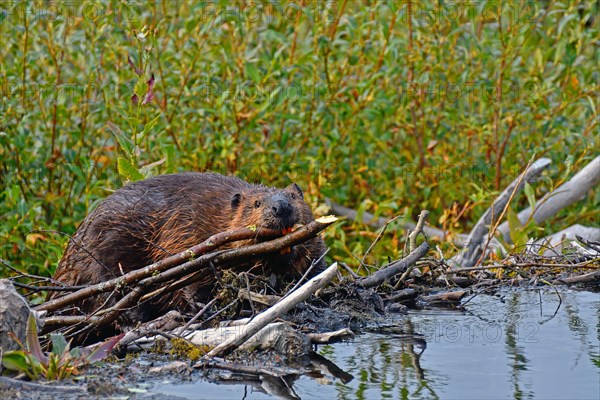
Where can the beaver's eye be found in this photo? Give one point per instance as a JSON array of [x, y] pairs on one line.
[[257, 203], [293, 196]]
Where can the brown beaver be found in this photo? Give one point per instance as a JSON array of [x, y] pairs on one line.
[[146, 221]]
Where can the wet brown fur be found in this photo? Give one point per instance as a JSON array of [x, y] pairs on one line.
[[146, 221]]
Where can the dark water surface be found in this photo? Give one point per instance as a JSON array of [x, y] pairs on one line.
[[518, 346]]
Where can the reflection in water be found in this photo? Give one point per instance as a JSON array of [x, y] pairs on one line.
[[514, 346], [519, 361]]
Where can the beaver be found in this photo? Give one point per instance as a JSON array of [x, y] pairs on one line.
[[146, 221]]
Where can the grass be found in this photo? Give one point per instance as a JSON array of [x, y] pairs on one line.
[[386, 107]]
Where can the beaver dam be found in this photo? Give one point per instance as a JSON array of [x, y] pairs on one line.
[[285, 337]]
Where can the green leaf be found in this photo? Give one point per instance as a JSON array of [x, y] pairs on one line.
[[252, 72], [148, 127], [571, 53], [564, 21], [141, 87], [125, 143], [128, 170], [15, 360], [517, 233], [59, 343], [530, 195], [171, 160], [75, 353]]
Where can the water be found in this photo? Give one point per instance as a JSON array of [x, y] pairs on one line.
[[523, 346]]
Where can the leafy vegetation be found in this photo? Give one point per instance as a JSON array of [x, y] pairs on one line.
[[61, 363], [384, 106]]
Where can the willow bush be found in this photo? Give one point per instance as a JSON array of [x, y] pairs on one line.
[[387, 107]]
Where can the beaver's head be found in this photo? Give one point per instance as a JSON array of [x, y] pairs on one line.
[[278, 209]]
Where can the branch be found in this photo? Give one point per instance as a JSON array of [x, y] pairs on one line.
[[587, 278], [474, 245], [211, 243], [412, 238], [418, 229], [560, 198], [370, 220], [264, 318], [394, 268]]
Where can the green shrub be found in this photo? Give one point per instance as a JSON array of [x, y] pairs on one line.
[[381, 106]]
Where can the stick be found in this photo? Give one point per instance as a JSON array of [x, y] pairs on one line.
[[369, 219], [394, 268], [587, 278], [378, 238], [211, 243], [264, 318], [560, 198], [248, 369], [412, 237], [444, 297], [131, 299], [147, 275], [330, 337], [527, 264]]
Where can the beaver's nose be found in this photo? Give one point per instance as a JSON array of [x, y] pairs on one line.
[[281, 207]]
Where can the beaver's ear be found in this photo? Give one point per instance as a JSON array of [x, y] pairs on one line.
[[294, 188], [236, 200]]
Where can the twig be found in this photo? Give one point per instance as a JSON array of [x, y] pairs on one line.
[[199, 314], [349, 270], [30, 276], [528, 264], [265, 299], [307, 273], [379, 236], [412, 238], [247, 369]]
